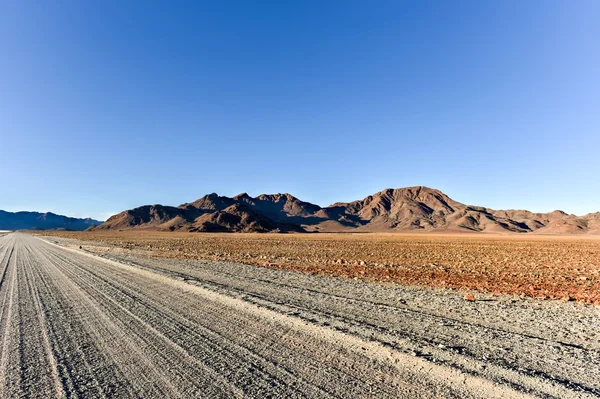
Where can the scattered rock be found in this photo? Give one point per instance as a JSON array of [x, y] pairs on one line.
[[469, 297]]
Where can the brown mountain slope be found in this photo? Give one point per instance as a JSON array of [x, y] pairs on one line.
[[411, 208], [279, 207], [403, 208], [565, 226], [209, 214], [210, 202], [143, 216], [238, 218], [593, 222]]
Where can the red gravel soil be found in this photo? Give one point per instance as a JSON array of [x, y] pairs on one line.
[[557, 267]]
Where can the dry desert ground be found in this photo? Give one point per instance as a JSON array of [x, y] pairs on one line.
[[546, 267], [159, 315]]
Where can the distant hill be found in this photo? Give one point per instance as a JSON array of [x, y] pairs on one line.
[[42, 221], [404, 209]]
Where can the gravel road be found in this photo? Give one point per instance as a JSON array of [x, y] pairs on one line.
[[76, 324]]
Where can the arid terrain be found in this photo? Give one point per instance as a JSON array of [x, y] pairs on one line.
[[545, 267], [108, 317], [300, 199], [416, 208]]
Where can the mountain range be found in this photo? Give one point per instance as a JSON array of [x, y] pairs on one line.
[[404, 209], [42, 221]]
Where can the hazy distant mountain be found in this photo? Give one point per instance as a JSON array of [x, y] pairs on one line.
[[404, 209], [42, 221]]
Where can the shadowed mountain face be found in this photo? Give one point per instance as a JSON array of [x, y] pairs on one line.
[[412, 208], [42, 221]]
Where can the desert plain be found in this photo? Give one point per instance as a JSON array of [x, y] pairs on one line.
[[563, 267], [150, 314]]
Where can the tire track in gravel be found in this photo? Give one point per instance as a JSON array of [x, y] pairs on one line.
[[76, 325], [120, 266], [409, 329], [123, 342], [7, 251], [7, 291], [54, 383], [215, 336]]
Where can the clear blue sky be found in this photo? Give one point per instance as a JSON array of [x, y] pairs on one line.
[[107, 105]]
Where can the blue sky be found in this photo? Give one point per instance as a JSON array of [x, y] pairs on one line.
[[109, 105]]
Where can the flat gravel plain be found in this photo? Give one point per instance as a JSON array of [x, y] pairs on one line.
[[77, 324], [538, 266]]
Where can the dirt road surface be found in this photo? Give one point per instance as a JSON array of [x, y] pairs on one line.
[[74, 324]]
